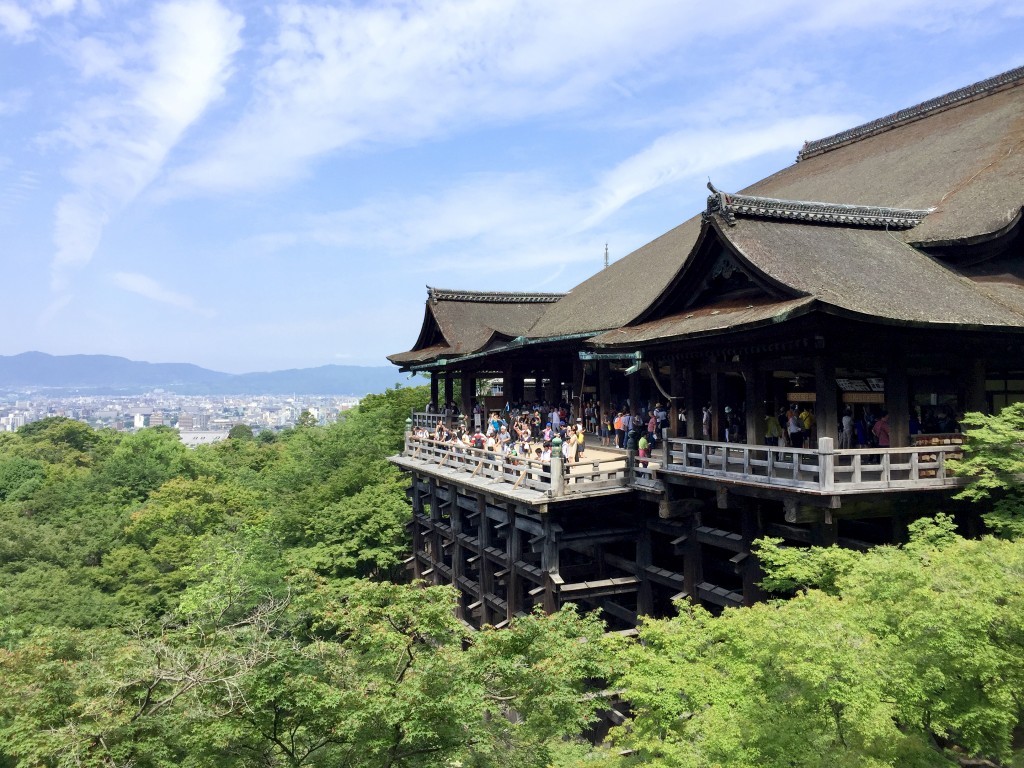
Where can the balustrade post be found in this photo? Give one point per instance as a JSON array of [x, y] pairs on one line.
[[826, 464], [666, 453], [557, 478]]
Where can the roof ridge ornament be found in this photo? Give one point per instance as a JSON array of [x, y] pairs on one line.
[[435, 295], [910, 114], [729, 206]]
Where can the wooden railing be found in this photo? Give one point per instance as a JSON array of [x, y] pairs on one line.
[[429, 420], [823, 469], [556, 478]]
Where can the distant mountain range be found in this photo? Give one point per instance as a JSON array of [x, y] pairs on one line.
[[107, 375]]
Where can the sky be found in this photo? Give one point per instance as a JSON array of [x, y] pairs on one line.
[[254, 186]]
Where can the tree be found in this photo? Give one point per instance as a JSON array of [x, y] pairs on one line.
[[994, 462], [240, 432], [913, 656]]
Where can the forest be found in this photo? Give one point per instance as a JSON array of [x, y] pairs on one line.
[[245, 604]]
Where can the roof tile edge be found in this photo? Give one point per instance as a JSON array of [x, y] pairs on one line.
[[492, 297], [1000, 82], [730, 206]]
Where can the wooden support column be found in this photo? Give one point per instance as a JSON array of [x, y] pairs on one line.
[[825, 534], [549, 564], [458, 552], [553, 388], [676, 403], [754, 394], [468, 391], [434, 391], [826, 408], [634, 394], [417, 532], [436, 553], [693, 565], [897, 402], [485, 584], [717, 381], [449, 391], [513, 581], [508, 382], [693, 407], [644, 559], [604, 393], [974, 386], [751, 572], [576, 401]]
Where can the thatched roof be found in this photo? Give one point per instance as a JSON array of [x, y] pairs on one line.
[[458, 323], [961, 155]]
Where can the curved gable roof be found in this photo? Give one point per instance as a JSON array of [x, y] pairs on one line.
[[463, 322], [854, 271]]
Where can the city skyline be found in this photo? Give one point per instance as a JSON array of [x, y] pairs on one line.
[[258, 187]]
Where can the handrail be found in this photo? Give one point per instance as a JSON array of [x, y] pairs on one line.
[[823, 470], [556, 478]]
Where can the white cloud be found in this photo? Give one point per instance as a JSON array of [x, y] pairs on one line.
[[358, 76], [124, 138], [151, 289], [693, 154], [353, 76], [13, 102], [15, 21], [533, 221]]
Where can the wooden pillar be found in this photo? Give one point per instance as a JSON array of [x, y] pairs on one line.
[[676, 403], [468, 390], [897, 402], [754, 394], [549, 564], [692, 406], [576, 403], [436, 553], [604, 393], [644, 559], [513, 581], [449, 391], [458, 552], [634, 394], [974, 386], [507, 385], [433, 391], [751, 572], [717, 382], [554, 384], [693, 566], [417, 529], [826, 408], [485, 584]]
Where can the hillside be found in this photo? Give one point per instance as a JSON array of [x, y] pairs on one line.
[[106, 374]]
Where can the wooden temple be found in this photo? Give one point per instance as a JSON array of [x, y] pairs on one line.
[[884, 270]]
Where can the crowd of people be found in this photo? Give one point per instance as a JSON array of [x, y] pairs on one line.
[[529, 429]]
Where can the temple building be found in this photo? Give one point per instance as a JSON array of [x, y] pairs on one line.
[[882, 272]]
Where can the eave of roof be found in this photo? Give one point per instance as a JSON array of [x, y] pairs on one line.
[[706, 321], [435, 295], [729, 206], [453, 361]]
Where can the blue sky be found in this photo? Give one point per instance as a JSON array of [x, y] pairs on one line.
[[256, 186]]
